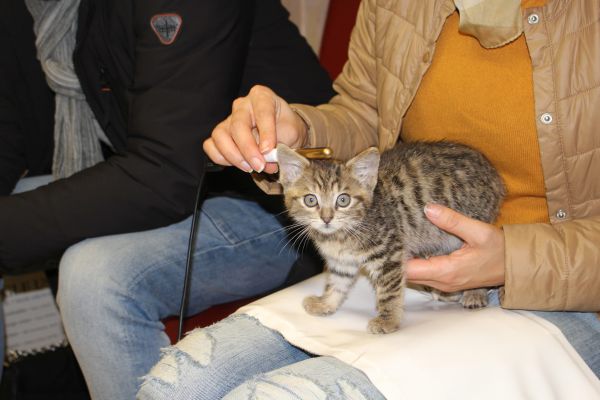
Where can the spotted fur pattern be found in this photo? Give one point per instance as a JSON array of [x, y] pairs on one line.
[[381, 224]]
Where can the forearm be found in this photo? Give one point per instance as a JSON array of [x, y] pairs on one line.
[[334, 125], [553, 267], [99, 201], [348, 124]]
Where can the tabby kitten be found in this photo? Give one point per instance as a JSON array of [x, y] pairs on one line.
[[366, 215]]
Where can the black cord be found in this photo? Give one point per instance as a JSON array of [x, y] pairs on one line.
[[190, 251]]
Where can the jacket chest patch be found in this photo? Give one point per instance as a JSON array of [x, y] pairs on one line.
[[166, 27]]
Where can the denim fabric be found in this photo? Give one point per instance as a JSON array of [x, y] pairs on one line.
[[115, 290], [582, 330], [238, 358]]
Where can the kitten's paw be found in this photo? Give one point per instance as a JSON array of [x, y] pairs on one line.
[[474, 299], [379, 325], [315, 305]]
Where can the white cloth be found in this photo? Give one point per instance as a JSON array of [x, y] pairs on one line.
[[441, 350]]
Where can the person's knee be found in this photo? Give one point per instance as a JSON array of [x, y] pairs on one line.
[[211, 361], [88, 272], [313, 378], [164, 379]]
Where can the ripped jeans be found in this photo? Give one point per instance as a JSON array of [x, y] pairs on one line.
[[238, 358], [115, 290]]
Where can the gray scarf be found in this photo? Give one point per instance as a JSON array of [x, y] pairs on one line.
[[77, 134]]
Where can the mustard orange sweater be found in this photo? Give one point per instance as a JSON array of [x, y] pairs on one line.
[[484, 98]]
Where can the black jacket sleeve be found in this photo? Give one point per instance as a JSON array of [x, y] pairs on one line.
[[12, 146], [180, 92], [12, 149]]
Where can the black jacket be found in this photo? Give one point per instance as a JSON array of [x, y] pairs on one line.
[[156, 102]]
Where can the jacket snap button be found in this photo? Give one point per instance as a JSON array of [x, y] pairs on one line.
[[426, 57], [561, 214], [533, 19], [546, 118]]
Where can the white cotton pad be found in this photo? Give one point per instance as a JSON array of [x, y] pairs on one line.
[[271, 156]]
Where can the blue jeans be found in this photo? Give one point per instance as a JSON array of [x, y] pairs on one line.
[[238, 358], [115, 290], [581, 329]]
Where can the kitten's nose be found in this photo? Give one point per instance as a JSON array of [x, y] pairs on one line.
[[327, 216]]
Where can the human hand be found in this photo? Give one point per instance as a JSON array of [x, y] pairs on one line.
[[233, 141], [478, 263]]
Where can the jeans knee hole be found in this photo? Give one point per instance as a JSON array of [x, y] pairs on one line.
[[166, 369], [198, 346], [288, 386], [350, 391]]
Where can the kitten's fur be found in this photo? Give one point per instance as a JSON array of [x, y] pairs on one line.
[[384, 225]]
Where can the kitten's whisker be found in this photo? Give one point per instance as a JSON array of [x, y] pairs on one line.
[[307, 240], [293, 230], [348, 232], [279, 213], [298, 236]]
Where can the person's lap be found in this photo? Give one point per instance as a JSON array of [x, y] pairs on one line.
[[114, 290], [260, 361], [581, 329], [239, 358], [149, 265]]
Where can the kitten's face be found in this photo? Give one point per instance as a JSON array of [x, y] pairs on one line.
[[327, 196]]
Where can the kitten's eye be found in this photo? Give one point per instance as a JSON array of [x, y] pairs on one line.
[[311, 200], [343, 200]]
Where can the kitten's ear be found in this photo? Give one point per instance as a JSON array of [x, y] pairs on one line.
[[365, 166], [291, 164]]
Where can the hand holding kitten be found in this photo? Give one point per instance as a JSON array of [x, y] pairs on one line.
[[478, 263]]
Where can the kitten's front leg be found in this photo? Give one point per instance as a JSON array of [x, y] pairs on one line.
[[389, 283], [336, 290]]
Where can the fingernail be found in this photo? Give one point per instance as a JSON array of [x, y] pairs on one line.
[[432, 210], [257, 164], [246, 167], [265, 146]]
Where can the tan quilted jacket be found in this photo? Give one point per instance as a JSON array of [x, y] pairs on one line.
[[548, 266]]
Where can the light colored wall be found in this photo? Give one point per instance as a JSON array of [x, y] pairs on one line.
[[309, 16]]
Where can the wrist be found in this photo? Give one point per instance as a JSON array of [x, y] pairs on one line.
[[302, 128]]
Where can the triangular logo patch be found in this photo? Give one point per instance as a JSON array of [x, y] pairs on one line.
[[166, 27]]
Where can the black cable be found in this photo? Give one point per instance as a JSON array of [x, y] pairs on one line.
[[207, 167]]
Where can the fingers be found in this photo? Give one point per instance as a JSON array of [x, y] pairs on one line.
[[265, 106], [438, 272], [248, 132], [243, 119], [211, 151], [221, 148], [420, 270], [468, 229]]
